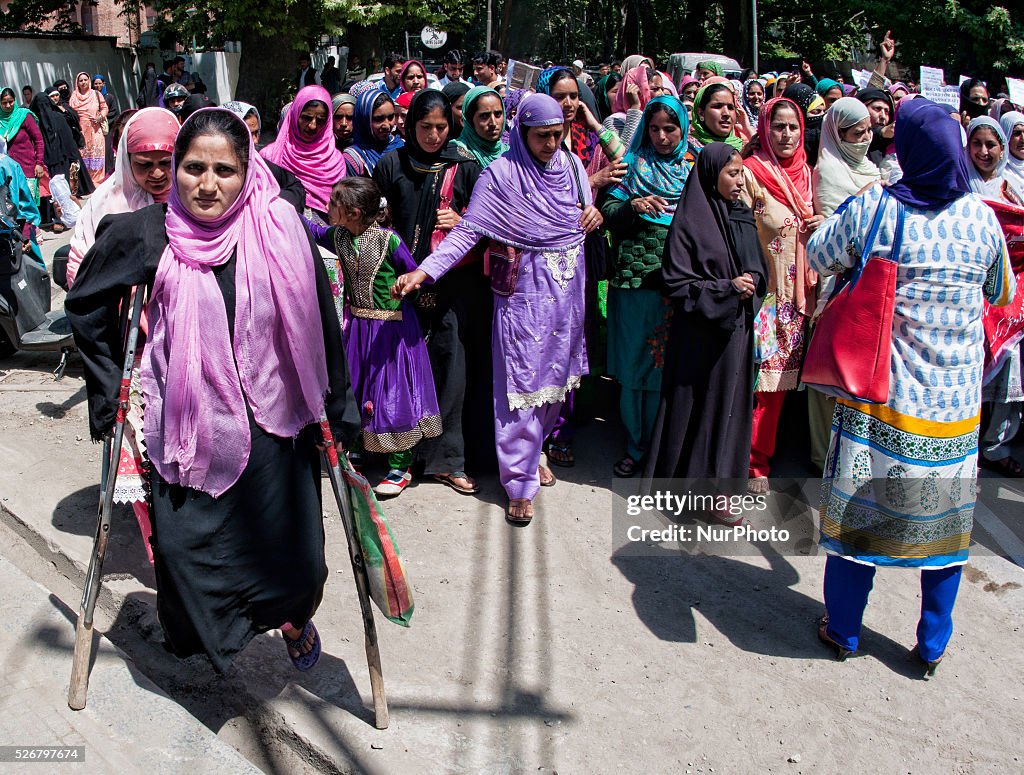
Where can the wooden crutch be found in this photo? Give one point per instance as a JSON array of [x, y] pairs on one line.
[[79, 687], [341, 494]]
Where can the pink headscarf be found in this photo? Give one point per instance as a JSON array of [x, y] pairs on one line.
[[151, 129], [409, 63], [317, 163], [195, 382], [638, 76], [668, 84]]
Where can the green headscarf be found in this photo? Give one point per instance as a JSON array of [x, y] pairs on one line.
[[601, 94], [482, 150], [825, 85], [11, 120], [714, 67], [701, 133]]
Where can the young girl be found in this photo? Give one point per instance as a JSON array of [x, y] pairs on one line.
[[387, 356]]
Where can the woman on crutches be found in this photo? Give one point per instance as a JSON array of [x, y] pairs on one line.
[[244, 354]]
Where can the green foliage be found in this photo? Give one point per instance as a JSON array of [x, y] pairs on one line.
[[29, 16]]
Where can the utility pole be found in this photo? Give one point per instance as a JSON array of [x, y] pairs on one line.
[[753, 27], [488, 46]]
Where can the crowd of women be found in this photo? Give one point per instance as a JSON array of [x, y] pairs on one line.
[[436, 274]]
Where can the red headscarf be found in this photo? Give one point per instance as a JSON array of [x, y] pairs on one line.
[[409, 63], [788, 181], [638, 76]]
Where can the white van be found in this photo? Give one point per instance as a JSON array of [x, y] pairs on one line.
[[684, 64]]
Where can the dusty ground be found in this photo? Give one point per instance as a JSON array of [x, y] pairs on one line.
[[545, 649]]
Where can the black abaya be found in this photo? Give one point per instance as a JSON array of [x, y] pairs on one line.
[[227, 568], [703, 426]]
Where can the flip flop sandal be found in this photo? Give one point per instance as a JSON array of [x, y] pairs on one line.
[[563, 454], [305, 661], [517, 519], [842, 654], [449, 479], [551, 482], [625, 468]]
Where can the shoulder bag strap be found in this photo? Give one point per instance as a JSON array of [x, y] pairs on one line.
[[448, 186], [576, 177]]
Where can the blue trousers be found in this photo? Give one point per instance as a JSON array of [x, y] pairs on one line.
[[848, 584]]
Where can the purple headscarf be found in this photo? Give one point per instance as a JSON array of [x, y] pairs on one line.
[[195, 381], [317, 163], [521, 203], [512, 99], [929, 148]]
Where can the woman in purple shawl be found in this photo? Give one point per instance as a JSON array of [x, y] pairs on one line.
[[535, 203], [244, 356]]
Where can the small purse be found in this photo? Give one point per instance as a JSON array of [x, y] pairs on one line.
[[848, 355], [766, 342], [503, 264]]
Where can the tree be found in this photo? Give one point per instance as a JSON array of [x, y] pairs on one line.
[[34, 15]]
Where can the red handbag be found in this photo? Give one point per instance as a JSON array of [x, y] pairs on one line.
[[848, 355]]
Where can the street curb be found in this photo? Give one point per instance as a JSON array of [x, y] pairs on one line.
[[270, 728]]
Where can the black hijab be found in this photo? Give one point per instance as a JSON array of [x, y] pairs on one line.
[[193, 103], [803, 95], [972, 108], [423, 103], [701, 260], [59, 147]]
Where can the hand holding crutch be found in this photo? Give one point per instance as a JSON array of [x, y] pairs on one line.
[[112, 453]]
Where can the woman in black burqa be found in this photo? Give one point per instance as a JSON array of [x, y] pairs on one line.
[[715, 275]]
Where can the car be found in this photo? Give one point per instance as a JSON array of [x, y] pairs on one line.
[[684, 64]]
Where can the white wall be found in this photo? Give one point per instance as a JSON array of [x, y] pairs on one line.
[[41, 61]]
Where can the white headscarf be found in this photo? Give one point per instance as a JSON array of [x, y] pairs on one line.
[[1014, 172], [843, 168], [992, 188]]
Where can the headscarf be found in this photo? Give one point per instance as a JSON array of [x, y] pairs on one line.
[[992, 188], [749, 109], [59, 147], [361, 87], [666, 83], [317, 163], [807, 99], [512, 99], [843, 168], [522, 204], [11, 120], [368, 147], [700, 132], [404, 100], [604, 106], [150, 129], [711, 239], [635, 60], [198, 379], [243, 110], [651, 174], [102, 90], [409, 63], [895, 87], [582, 141], [423, 103], [455, 89], [483, 151], [788, 181], [86, 104], [638, 77], [196, 102], [685, 81], [825, 85], [868, 96], [929, 149], [972, 108], [1014, 172], [708, 64], [342, 99]]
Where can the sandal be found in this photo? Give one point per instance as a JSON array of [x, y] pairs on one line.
[[560, 454], [519, 511], [930, 666], [841, 652], [758, 485], [303, 660], [625, 468], [1007, 467], [452, 481], [547, 479]]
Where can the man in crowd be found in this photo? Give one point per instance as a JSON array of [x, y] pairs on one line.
[[485, 69], [453, 67], [392, 70], [307, 75], [356, 71], [330, 76], [577, 68]]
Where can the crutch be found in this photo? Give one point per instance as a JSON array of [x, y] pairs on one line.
[[341, 494], [79, 687]]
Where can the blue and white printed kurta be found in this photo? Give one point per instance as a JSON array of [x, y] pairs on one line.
[[899, 485]]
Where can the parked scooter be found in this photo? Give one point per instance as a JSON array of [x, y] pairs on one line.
[[26, 320]]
